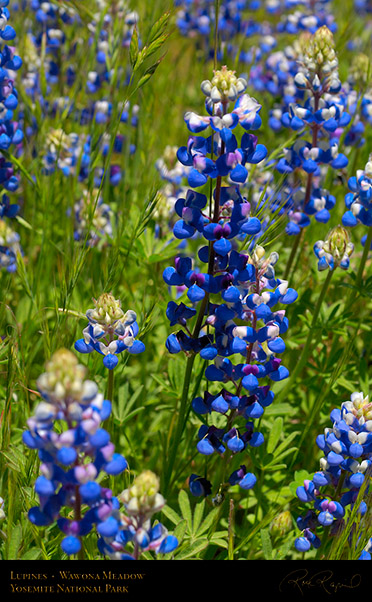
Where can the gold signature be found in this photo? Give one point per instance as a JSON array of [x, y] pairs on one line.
[[301, 579]]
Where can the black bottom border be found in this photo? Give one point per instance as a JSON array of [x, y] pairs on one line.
[[296, 580]]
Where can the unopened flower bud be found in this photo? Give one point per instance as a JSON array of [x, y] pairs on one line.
[[63, 378], [143, 496], [338, 243], [224, 86], [282, 524], [107, 310]]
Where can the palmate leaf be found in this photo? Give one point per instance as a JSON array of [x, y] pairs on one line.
[[193, 528], [180, 530], [208, 521], [122, 410]]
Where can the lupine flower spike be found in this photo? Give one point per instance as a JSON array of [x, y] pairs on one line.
[[125, 535], [110, 331], [73, 450], [344, 470], [11, 136], [241, 319], [322, 115]]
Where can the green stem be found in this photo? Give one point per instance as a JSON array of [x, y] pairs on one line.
[[109, 397], [231, 530], [180, 423], [366, 249], [292, 256], [77, 517], [191, 358], [110, 386]]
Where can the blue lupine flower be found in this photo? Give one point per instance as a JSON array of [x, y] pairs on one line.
[[11, 136], [72, 457], [359, 200], [141, 501], [324, 114], [199, 485], [110, 331], [335, 251], [347, 448], [9, 247]]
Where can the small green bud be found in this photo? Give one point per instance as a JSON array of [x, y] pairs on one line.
[[360, 69], [338, 243], [224, 86], [63, 377], [360, 406], [107, 310], [282, 524], [318, 52], [143, 496], [258, 254]]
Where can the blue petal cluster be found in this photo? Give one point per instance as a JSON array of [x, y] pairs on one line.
[[110, 331], [322, 114], [234, 297], [73, 449], [347, 448], [11, 136], [124, 536], [359, 200]]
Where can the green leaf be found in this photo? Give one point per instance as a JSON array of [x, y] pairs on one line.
[[193, 549], [274, 435], [299, 477], [287, 441], [198, 515], [21, 167], [281, 456], [32, 554], [122, 411], [208, 521], [15, 459], [267, 547], [185, 507], [180, 530], [171, 514], [15, 542], [274, 467]]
